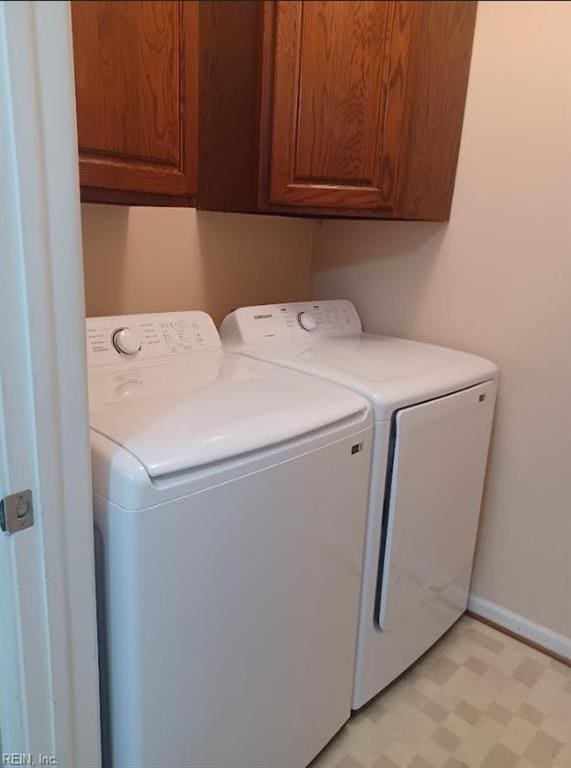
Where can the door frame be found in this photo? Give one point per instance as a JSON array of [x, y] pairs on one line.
[[49, 691]]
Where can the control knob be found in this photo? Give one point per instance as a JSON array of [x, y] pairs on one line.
[[307, 321], [127, 341]]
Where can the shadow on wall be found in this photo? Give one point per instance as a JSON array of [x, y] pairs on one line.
[[250, 259], [104, 231], [399, 238], [347, 254], [142, 259]]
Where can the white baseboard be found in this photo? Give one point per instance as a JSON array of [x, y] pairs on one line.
[[536, 633]]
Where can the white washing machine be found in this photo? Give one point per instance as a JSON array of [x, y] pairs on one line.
[[433, 411], [230, 502]]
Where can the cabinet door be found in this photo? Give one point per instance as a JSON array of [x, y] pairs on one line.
[[338, 101], [136, 84]]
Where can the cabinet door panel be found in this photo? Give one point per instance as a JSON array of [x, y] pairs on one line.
[[340, 75], [338, 117], [136, 95]]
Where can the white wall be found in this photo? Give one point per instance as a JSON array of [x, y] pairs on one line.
[[496, 281], [161, 259]]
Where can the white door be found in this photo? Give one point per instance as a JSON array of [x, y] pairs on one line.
[[440, 454], [49, 702]]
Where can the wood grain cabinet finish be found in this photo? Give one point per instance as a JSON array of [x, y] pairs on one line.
[[340, 69], [332, 107], [136, 68]]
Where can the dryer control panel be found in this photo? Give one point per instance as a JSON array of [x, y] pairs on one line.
[[122, 339], [290, 322]]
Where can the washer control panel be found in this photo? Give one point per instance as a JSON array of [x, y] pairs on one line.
[[125, 338], [282, 322]]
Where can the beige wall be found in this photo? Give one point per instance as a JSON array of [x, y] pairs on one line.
[[158, 259], [496, 281]]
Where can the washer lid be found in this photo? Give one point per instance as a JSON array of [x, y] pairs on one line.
[[192, 411], [390, 372]]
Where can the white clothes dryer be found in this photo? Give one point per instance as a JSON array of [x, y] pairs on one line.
[[433, 410], [230, 500]]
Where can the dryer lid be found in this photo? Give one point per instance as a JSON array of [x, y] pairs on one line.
[[325, 338], [197, 410], [390, 372]]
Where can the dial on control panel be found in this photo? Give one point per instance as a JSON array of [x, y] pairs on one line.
[[127, 341], [307, 321]]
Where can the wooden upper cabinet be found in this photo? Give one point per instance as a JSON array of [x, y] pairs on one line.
[[332, 107], [340, 69], [136, 68], [318, 107]]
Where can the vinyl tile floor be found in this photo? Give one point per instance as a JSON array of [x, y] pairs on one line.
[[478, 699]]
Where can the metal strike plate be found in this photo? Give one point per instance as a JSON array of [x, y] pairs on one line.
[[16, 512]]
